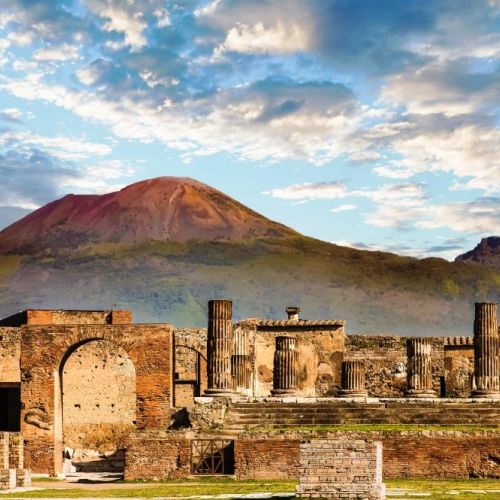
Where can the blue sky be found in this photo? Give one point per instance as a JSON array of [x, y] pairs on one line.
[[367, 123]]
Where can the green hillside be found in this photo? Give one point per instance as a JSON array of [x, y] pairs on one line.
[[172, 282]]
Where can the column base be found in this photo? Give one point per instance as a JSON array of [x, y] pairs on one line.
[[485, 394], [415, 393], [283, 392], [346, 393], [219, 392]]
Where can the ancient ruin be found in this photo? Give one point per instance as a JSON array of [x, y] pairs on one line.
[[91, 390]]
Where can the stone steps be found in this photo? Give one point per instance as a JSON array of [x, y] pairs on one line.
[[276, 414]]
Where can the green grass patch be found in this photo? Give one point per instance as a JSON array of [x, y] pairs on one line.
[[179, 488], [459, 489], [373, 428]]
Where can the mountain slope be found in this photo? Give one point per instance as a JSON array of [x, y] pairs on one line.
[[91, 252], [164, 209], [487, 253]]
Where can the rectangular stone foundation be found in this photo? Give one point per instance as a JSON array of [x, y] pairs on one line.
[[341, 468], [12, 471]]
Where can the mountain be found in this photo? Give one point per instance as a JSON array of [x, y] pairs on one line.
[[161, 209], [487, 253], [164, 247]]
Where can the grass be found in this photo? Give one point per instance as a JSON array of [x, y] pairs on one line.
[[406, 488], [373, 428], [175, 488], [464, 489]]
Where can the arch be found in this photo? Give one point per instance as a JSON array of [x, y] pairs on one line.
[[97, 408], [44, 353], [190, 373]]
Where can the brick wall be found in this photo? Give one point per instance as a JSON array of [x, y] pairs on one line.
[[341, 468], [255, 458], [424, 454], [157, 457]]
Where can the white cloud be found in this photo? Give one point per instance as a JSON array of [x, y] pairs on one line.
[[310, 191], [11, 114], [64, 52], [62, 147], [131, 24], [162, 18], [258, 39], [88, 75], [343, 208], [21, 38]]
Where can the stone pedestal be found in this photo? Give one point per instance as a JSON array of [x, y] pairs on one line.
[[285, 367], [341, 468], [419, 370], [220, 348], [353, 379], [486, 351]]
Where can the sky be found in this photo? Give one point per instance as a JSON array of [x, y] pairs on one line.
[[373, 124]]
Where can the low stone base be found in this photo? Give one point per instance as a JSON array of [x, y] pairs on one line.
[[478, 394], [220, 393], [23, 478], [420, 394], [7, 479], [282, 393], [341, 468], [345, 393]]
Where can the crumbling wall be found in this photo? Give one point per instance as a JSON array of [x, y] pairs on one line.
[[190, 365], [385, 361], [320, 352], [99, 399], [10, 353], [459, 366]]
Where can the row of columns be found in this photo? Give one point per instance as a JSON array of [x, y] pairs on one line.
[[229, 360]]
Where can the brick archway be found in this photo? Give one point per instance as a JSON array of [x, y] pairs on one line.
[[43, 352]]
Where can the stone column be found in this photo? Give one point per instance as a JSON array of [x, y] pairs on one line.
[[419, 370], [240, 362], [353, 379], [486, 351], [220, 348], [285, 367]]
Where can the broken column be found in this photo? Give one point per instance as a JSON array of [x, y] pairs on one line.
[[419, 370], [353, 379], [220, 348], [240, 362], [486, 351], [285, 367]]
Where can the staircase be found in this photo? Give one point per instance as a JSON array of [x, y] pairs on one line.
[[248, 415]]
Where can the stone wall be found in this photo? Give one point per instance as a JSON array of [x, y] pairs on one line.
[[341, 468], [254, 458], [157, 456], [459, 366], [99, 399], [385, 361], [320, 348], [10, 353], [418, 454]]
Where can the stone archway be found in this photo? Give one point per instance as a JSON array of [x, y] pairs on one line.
[[98, 404]]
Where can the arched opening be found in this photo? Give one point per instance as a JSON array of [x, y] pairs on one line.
[[190, 375], [97, 405]]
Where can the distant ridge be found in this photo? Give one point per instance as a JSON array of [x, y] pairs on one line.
[[165, 246], [162, 209], [487, 253]]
